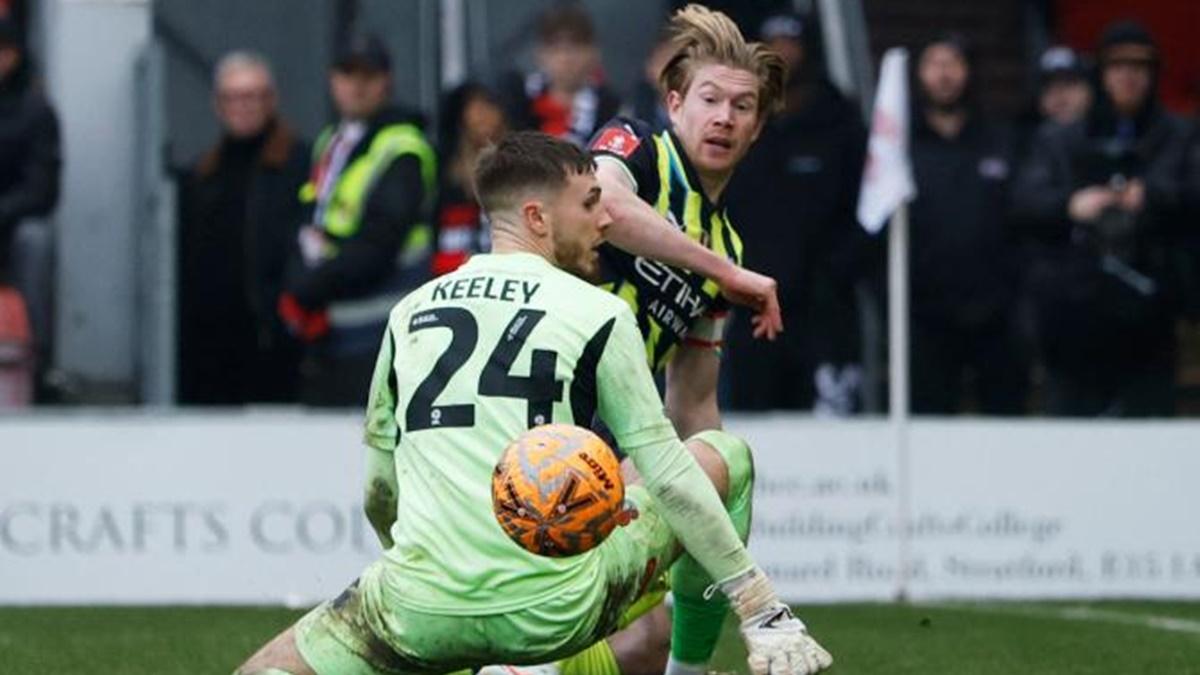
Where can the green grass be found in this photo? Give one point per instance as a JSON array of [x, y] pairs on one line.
[[134, 640], [966, 639], [996, 639]]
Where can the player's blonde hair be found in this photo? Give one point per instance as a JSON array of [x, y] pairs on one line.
[[700, 36]]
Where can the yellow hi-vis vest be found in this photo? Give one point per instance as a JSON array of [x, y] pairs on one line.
[[342, 217]]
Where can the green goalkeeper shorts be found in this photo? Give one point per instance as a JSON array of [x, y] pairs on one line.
[[359, 634]]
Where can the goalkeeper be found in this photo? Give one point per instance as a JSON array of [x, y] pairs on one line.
[[452, 591]]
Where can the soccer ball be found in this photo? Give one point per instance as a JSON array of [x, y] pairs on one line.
[[557, 490]]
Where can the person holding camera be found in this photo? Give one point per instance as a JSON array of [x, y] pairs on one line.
[[1106, 199]]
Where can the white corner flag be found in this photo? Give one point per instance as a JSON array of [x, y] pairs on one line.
[[887, 176]]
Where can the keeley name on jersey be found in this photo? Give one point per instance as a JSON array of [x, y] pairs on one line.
[[487, 288]]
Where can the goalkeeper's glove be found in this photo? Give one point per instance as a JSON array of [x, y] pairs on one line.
[[776, 641]]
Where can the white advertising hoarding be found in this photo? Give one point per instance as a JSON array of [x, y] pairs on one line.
[[1029, 509], [1056, 510], [265, 508], [213, 509], [824, 506]]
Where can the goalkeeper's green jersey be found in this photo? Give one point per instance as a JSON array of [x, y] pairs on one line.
[[468, 362]]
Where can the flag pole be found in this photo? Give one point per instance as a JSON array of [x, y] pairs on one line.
[[886, 190], [898, 399]]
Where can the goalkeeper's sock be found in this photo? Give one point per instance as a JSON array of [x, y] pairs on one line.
[[698, 615], [598, 659], [695, 622]]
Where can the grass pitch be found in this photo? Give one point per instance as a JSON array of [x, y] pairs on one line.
[[954, 639]]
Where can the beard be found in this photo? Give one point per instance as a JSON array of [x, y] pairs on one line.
[[577, 260], [947, 107], [944, 105]]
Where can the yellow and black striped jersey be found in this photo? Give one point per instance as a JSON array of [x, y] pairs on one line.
[[669, 303]]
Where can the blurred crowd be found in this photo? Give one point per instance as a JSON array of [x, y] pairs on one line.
[[1055, 255]]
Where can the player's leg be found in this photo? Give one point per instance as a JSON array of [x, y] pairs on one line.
[[698, 614], [324, 650], [335, 638], [633, 559], [278, 657], [642, 644], [642, 647]]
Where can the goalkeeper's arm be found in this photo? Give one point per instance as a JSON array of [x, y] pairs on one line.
[[379, 494]]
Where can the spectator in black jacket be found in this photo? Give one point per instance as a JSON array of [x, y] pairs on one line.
[[793, 200], [239, 217], [566, 96], [964, 261], [30, 155], [30, 164], [1108, 199]]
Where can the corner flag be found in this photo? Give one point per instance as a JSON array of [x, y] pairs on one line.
[[887, 176]]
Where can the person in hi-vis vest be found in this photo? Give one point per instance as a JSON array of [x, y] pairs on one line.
[[368, 240]]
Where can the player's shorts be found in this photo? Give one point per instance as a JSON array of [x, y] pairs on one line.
[[359, 633]]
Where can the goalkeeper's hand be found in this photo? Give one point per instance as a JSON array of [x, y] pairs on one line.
[[777, 642]]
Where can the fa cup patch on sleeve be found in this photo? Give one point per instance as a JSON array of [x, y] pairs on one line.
[[617, 140]]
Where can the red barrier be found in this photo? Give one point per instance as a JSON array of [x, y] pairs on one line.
[[16, 351]]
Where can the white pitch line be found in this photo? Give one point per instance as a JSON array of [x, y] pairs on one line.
[[1077, 613]]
